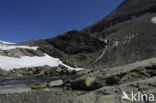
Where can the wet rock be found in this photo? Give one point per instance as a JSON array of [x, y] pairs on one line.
[[55, 83]]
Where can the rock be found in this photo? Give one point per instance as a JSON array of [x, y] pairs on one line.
[[87, 98], [3, 72], [153, 20], [55, 83], [108, 99], [14, 53], [85, 83], [30, 52], [89, 81], [2, 53], [42, 73], [65, 70], [83, 72], [40, 85], [19, 52]]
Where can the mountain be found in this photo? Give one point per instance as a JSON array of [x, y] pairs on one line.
[[129, 30], [75, 48], [101, 63], [127, 10]]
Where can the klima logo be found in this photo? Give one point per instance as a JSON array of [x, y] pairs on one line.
[[138, 97]]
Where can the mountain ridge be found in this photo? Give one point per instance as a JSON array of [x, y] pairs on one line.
[[128, 30], [125, 11]]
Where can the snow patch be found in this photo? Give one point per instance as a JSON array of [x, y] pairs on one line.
[[70, 68], [9, 63], [153, 20], [9, 47], [4, 42]]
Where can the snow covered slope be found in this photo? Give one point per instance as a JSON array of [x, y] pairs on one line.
[[4, 42], [9, 63], [9, 47]]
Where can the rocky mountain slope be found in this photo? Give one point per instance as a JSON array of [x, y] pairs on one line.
[[75, 48], [125, 11], [129, 30]]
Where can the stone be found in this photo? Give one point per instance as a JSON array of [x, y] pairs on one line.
[[39, 85], [83, 72], [89, 81], [55, 83], [2, 53]]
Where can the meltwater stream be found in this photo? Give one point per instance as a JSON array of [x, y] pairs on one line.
[[21, 85]]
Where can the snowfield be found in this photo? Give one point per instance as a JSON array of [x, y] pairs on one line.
[[9, 63], [9, 47], [153, 20]]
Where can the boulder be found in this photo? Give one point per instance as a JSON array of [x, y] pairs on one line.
[[85, 83], [55, 83]]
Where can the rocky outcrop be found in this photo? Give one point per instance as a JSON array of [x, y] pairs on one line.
[[19, 52], [114, 94]]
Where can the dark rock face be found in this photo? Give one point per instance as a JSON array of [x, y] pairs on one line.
[[75, 42], [74, 48]]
